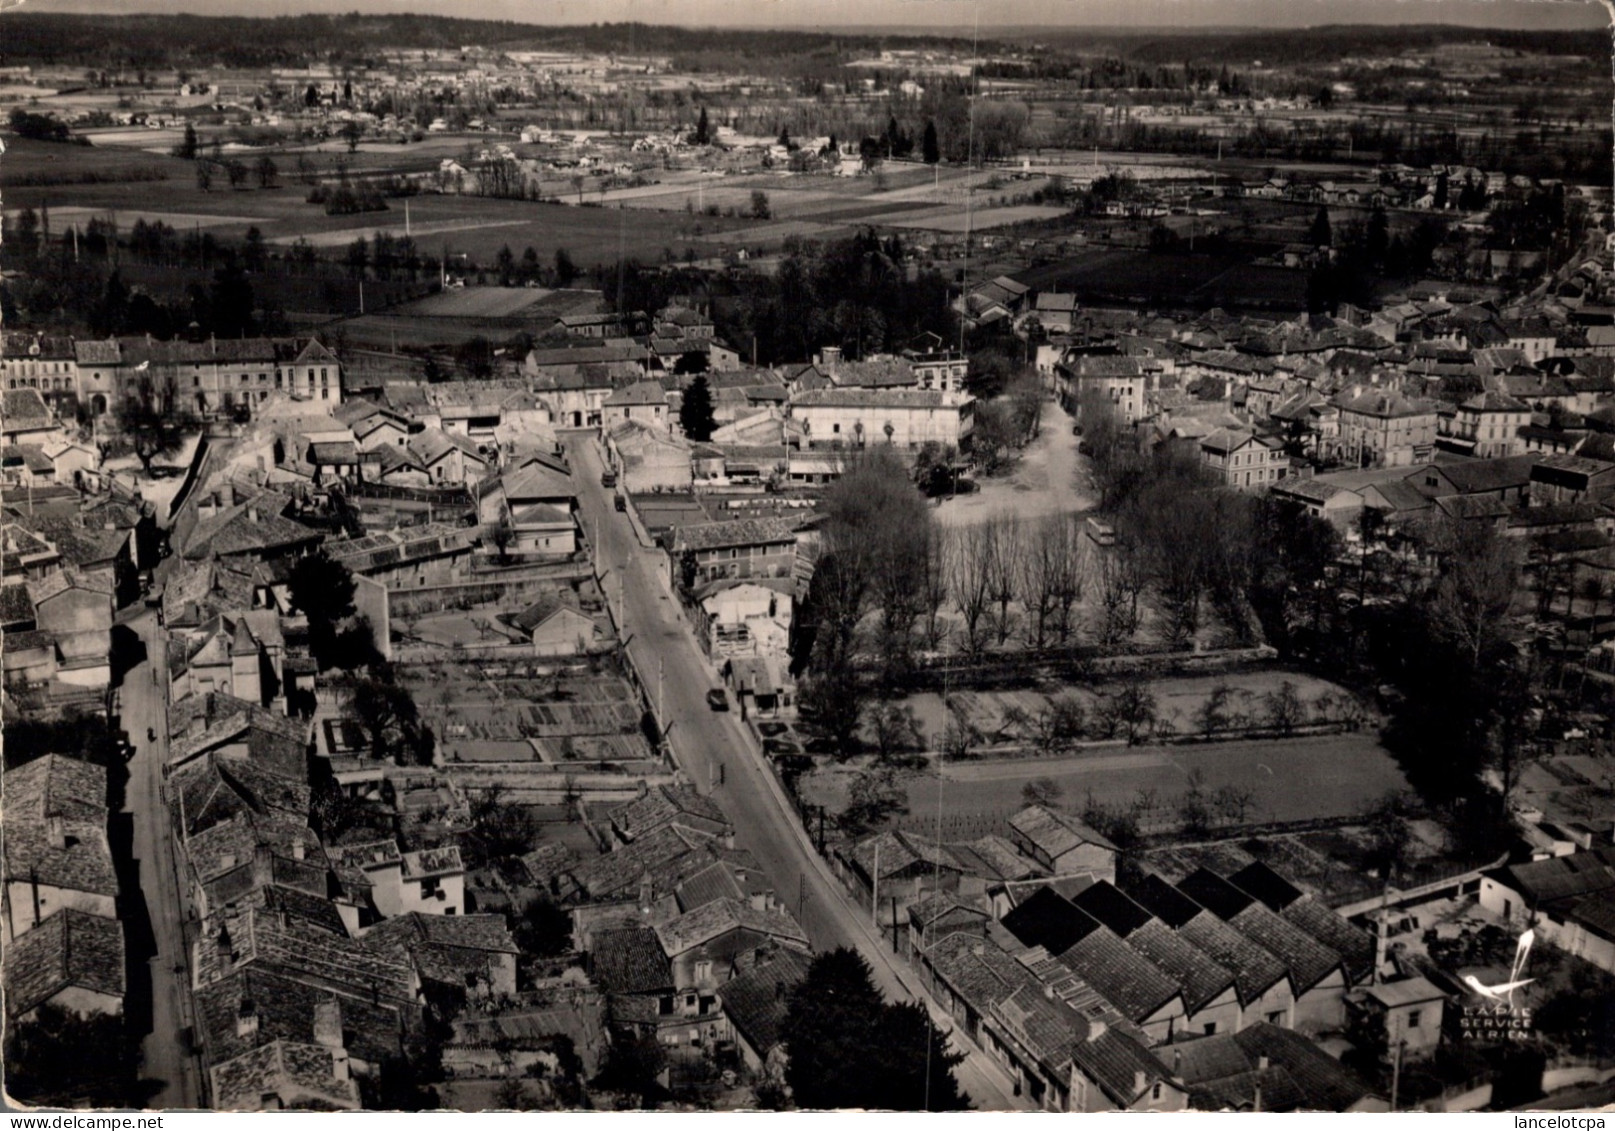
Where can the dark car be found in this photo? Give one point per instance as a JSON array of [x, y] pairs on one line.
[[718, 699], [619, 502], [608, 479]]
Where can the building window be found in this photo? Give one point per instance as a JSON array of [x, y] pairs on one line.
[[1155, 1092], [1276, 1017], [1413, 1018], [1211, 1028]]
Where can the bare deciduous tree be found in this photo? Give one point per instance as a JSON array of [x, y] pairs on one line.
[[1050, 580], [933, 583], [1478, 571], [1005, 547], [970, 583]]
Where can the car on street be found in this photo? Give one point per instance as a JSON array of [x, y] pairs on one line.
[[718, 699], [608, 479], [619, 502]]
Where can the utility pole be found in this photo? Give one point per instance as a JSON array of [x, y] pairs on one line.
[[874, 890]]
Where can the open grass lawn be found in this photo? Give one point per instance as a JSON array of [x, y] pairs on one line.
[[27, 160], [975, 219], [476, 302]]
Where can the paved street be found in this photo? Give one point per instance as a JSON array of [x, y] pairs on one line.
[[163, 1053], [703, 740]]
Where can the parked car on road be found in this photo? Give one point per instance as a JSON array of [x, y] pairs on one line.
[[718, 699]]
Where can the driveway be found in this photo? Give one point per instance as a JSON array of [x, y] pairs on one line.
[[1050, 477]]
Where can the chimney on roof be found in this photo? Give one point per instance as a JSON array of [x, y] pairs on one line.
[[1048, 991], [56, 832], [298, 850], [1261, 1064], [328, 1023], [779, 991], [1141, 1081], [246, 1018]]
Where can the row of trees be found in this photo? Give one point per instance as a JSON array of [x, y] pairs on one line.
[[858, 293]]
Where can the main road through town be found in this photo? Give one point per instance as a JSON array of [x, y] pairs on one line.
[[144, 706], [721, 758]]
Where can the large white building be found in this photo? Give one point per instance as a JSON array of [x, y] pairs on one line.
[[904, 418]]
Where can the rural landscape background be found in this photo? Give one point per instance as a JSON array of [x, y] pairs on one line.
[[864, 562]]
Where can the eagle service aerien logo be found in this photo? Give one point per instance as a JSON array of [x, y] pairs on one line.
[[1504, 992]]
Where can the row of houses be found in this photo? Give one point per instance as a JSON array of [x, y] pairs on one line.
[[211, 377], [1150, 995]]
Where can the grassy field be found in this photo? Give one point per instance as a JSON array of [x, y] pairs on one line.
[[1290, 780], [475, 302], [27, 160], [961, 220]]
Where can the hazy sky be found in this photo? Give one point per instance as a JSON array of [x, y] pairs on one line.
[[919, 15]]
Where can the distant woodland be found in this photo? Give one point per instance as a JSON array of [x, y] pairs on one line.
[[156, 42]]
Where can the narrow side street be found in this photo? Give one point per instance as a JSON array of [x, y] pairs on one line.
[[164, 1052]]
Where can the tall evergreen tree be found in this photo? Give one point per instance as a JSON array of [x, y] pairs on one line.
[[849, 1049], [1319, 235], [929, 148], [695, 413], [702, 134]]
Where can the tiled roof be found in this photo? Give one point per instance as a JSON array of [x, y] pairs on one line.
[[537, 482], [55, 825], [69, 949], [1562, 877], [284, 1005], [432, 862], [629, 961], [24, 408], [877, 398], [56, 786], [1055, 833], [663, 805], [1254, 969], [1307, 960], [250, 937], [1199, 977], [718, 918], [755, 1001], [548, 862], [98, 352], [714, 882], [639, 393], [1223, 1072], [1128, 980], [1378, 402], [15, 605], [742, 532], [236, 531], [470, 932], [664, 857], [302, 1076], [1049, 920]]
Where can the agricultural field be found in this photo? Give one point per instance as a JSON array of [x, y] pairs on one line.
[[966, 220], [475, 302], [463, 224], [42, 164]]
